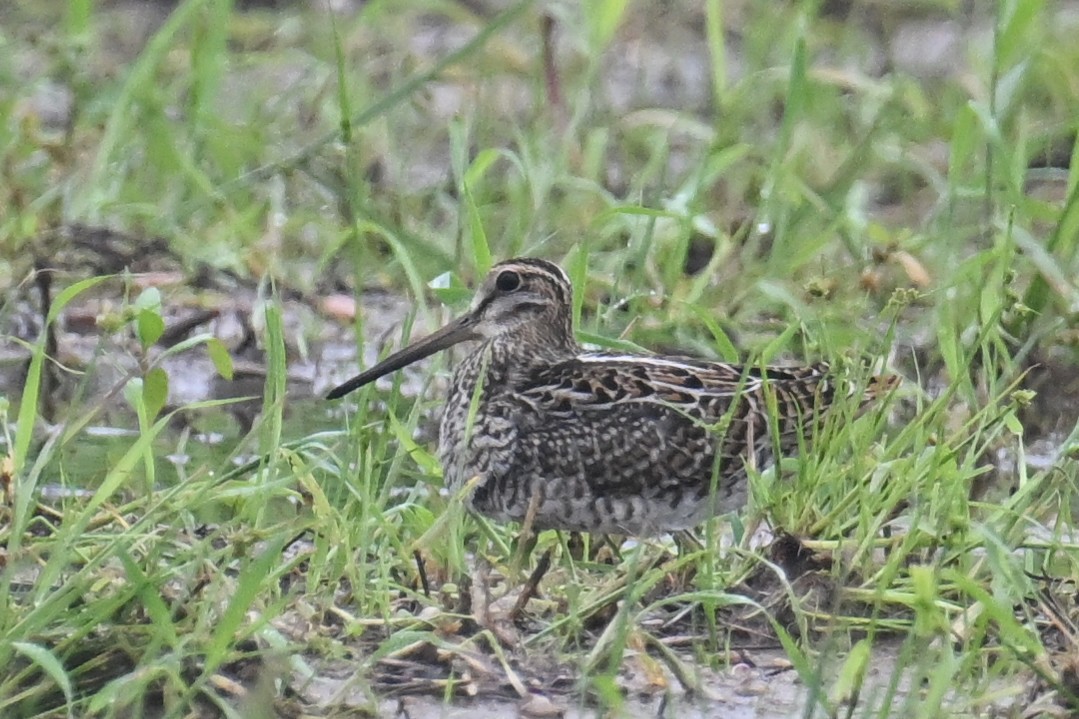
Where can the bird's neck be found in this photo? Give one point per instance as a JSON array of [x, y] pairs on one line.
[[521, 352]]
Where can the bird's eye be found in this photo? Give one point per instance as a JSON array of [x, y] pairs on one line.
[[508, 281]]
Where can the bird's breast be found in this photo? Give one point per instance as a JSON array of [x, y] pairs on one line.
[[479, 423]]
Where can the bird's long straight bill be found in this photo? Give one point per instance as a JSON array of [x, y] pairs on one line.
[[460, 330]]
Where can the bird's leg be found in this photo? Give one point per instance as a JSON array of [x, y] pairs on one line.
[[687, 542], [575, 546], [605, 549], [532, 585], [526, 539], [530, 514], [422, 571], [526, 544]]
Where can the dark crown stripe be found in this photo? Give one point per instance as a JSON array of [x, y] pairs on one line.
[[543, 265], [546, 271]]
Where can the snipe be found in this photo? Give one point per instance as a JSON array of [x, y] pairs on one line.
[[600, 442]]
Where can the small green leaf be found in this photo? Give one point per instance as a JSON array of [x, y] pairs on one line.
[[723, 344], [149, 299], [426, 461], [155, 391], [1011, 421], [219, 355], [965, 139], [69, 293], [399, 641], [481, 250], [453, 296], [133, 392], [603, 18], [577, 268], [849, 682], [111, 694], [450, 290], [1016, 19], [476, 171], [49, 664], [928, 620], [150, 327]]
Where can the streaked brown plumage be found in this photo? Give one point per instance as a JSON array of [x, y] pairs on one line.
[[601, 442]]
